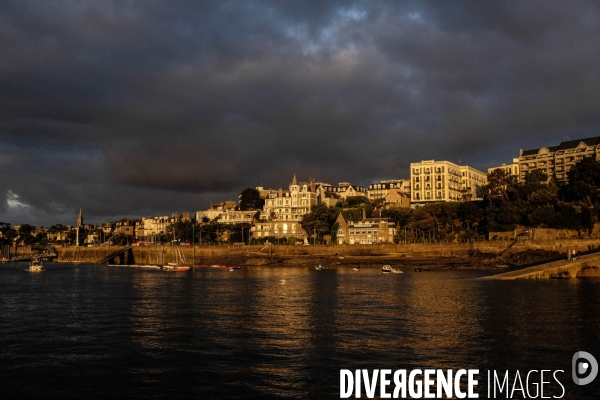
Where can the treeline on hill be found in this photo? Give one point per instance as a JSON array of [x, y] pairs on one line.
[[26, 234]]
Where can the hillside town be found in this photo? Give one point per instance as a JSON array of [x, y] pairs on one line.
[[539, 194]]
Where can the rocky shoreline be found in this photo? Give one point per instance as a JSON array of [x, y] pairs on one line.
[[476, 261]]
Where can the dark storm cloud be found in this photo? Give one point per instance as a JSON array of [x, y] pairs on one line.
[[144, 108]]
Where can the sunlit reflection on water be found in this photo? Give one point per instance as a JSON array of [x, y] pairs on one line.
[[276, 332]]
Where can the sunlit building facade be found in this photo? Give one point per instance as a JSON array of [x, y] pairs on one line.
[[556, 161], [442, 181], [365, 231]]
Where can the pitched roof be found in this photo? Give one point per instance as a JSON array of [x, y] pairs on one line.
[[571, 144], [568, 144], [534, 152]]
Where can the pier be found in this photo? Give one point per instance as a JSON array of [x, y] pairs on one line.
[[587, 265]]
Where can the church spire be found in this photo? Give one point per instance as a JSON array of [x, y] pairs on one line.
[[294, 181], [80, 219]]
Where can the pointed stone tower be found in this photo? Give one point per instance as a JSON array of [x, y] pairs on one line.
[[80, 219], [294, 185]]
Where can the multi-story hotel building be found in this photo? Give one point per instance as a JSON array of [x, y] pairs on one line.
[[512, 169], [284, 209], [556, 161], [291, 204], [441, 181]]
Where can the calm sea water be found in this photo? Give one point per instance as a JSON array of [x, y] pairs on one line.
[[96, 332]]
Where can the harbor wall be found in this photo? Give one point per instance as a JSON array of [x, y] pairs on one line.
[[8, 251], [211, 254]]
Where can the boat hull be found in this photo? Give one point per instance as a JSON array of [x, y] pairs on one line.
[[172, 268]]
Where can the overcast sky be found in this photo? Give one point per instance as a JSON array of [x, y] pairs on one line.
[[134, 108]]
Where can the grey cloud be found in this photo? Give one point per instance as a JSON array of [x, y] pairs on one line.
[[152, 107]]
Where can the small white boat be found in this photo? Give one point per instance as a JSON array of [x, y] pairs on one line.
[[320, 267], [356, 269], [387, 269], [35, 265]]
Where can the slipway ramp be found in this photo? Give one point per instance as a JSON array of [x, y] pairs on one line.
[[554, 269], [112, 255]]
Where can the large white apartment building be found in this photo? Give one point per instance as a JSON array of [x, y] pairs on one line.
[[557, 160], [442, 181]]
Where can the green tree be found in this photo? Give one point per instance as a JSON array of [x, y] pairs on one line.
[[180, 231], [352, 201], [536, 176], [499, 182], [319, 220], [25, 231], [250, 199], [333, 232], [399, 215], [584, 183]]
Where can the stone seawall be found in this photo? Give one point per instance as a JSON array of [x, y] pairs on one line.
[[211, 254]]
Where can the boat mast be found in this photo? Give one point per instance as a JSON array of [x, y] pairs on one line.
[[193, 244]]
